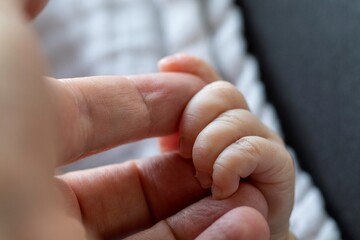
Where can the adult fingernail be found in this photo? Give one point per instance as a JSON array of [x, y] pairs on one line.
[[169, 59], [204, 179], [174, 57], [165, 60], [185, 148]]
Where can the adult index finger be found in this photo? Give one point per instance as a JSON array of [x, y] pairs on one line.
[[98, 113]]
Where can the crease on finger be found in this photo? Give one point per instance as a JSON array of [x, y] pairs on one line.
[[84, 120], [149, 120], [171, 229], [145, 194]]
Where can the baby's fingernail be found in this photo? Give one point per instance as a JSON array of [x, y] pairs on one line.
[[204, 179], [217, 193], [185, 148]]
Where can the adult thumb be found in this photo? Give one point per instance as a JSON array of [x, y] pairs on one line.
[[240, 223]]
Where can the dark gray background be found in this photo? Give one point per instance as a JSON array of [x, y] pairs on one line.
[[309, 54]]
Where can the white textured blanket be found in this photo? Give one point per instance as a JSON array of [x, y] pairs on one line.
[[117, 37]]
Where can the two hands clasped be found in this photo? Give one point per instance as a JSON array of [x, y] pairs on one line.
[[222, 174]]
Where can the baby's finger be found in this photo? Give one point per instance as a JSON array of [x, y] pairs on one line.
[[266, 161], [222, 132], [268, 166], [184, 63], [204, 107], [189, 64]]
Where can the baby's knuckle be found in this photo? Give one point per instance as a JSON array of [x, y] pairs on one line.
[[221, 167], [190, 119], [227, 91], [234, 117], [228, 120], [249, 145], [222, 89], [202, 152]]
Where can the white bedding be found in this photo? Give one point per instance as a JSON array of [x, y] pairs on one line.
[[117, 37]]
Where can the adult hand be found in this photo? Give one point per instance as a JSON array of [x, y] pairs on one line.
[[46, 123]]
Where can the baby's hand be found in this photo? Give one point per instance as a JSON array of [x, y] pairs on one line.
[[227, 143]]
